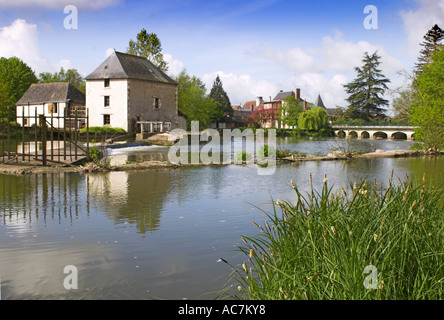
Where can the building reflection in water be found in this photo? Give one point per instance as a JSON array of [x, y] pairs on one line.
[[134, 197], [43, 197]]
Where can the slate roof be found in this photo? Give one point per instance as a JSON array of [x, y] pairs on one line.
[[125, 66], [319, 102], [283, 95], [39, 93]]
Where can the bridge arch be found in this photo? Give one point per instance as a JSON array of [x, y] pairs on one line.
[[365, 135], [353, 134], [380, 135], [341, 134], [399, 136]]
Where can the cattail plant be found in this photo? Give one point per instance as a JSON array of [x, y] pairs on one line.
[[318, 247]]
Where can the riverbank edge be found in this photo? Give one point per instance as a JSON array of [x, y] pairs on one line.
[[25, 168]]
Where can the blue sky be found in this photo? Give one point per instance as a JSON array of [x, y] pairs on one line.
[[257, 47]]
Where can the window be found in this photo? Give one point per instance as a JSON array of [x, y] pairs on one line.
[[106, 83], [52, 108], [25, 122], [106, 101], [156, 102], [106, 119]]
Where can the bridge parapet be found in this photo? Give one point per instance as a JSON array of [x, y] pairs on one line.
[[391, 128], [375, 132]]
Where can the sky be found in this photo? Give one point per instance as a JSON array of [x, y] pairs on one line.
[[256, 47]]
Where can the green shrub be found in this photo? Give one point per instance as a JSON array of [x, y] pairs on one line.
[[321, 246], [243, 156], [417, 146], [103, 130], [94, 154]]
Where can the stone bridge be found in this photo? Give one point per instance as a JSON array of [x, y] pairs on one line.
[[375, 132]]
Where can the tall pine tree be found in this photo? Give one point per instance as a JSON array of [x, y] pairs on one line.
[[431, 43], [218, 94], [366, 91]]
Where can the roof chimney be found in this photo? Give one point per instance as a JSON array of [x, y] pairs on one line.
[[297, 93], [258, 101]]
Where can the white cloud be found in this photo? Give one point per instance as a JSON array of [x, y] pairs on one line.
[[21, 40], [325, 69], [58, 4], [174, 66], [418, 22], [342, 56], [241, 88], [329, 87], [295, 59]]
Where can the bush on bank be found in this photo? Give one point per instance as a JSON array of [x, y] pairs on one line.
[[103, 130], [323, 246]]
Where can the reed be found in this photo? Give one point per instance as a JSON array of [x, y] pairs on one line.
[[319, 247]]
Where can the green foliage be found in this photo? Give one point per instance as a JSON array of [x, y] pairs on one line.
[[103, 130], [193, 101], [402, 104], [417, 146], [94, 154], [431, 43], [319, 247], [15, 78], [289, 112], [71, 75], [223, 110], [243, 156], [427, 111], [366, 90], [314, 119], [148, 45], [266, 151]]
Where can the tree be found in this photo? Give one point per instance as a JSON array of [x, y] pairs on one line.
[[314, 119], [289, 111], [193, 102], [427, 111], [402, 104], [430, 44], [15, 78], [224, 113], [263, 117], [71, 75], [366, 91], [149, 46]]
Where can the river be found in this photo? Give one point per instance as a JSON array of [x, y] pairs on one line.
[[158, 233]]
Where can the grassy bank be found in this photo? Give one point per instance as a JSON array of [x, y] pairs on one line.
[[362, 244]]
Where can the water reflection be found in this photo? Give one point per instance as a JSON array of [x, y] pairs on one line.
[[42, 198], [131, 196], [155, 233]]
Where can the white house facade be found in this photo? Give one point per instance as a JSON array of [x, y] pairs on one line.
[[131, 93], [53, 100]]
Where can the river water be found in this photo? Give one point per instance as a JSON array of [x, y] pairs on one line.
[[159, 233]]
